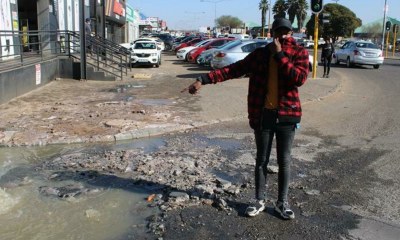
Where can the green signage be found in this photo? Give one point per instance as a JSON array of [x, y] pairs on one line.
[[129, 13]]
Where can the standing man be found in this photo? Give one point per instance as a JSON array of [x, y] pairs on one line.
[[327, 54], [88, 32], [276, 71]]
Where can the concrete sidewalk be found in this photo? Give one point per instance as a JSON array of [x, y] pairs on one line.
[[69, 111]]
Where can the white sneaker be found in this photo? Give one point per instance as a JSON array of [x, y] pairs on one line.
[[284, 210], [254, 209]]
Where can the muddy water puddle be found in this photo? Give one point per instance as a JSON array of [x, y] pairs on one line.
[[39, 203], [73, 206]]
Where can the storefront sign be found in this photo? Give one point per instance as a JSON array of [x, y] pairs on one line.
[[51, 8], [118, 8], [115, 11], [7, 42], [38, 74], [129, 14]]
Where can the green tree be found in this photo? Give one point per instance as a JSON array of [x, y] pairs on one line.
[[292, 5], [342, 22], [301, 13], [263, 6], [280, 8], [228, 21]]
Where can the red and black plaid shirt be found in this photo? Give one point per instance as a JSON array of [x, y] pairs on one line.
[[293, 65]]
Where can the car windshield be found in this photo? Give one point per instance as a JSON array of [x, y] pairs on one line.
[[202, 43], [366, 45], [145, 45], [231, 44]]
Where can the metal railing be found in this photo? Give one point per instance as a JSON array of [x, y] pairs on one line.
[[21, 48]]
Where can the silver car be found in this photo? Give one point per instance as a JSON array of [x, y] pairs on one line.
[[361, 53], [235, 52]]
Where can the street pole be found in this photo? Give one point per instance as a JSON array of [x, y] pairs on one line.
[[315, 47], [383, 25], [387, 44], [83, 38], [394, 40]]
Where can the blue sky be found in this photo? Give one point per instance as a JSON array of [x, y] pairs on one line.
[[174, 11]]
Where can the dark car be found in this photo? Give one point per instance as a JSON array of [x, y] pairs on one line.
[[167, 39]]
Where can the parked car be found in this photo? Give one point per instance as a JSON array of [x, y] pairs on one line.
[[361, 53], [206, 56], [182, 54], [184, 40], [194, 54], [235, 52], [146, 53], [306, 43], [189, 44], [159, 42], [167, 39], [239, 36]]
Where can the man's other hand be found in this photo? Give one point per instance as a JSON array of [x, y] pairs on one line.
[[193, 88], [276, 46]]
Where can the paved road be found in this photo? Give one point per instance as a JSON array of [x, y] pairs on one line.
[[347, 150]]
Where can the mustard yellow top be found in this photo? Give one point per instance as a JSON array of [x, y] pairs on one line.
[[271, 101]]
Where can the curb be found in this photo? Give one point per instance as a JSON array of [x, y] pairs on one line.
[[153, 132]]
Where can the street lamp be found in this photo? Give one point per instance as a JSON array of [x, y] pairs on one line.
[[215, 3], [194, 15]]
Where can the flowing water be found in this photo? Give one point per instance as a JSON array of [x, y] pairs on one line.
[[115, 210]]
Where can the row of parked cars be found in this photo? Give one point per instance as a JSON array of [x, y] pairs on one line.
[[217, 52]]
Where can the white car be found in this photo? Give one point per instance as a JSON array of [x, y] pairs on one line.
[[159, 42], [146, 53], [182, 53]]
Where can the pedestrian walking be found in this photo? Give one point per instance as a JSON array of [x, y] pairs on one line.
[[274, 109], [327, 54]]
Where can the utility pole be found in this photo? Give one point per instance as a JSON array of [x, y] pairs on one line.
[[83, 38], [215, 10], [385, 8], [269, 17]]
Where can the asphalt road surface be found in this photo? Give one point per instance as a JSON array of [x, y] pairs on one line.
[[344, 171]]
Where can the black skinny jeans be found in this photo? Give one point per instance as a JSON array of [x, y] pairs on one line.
[[327, 64], [284, 133]]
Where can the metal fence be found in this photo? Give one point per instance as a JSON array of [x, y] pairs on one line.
[[22, 48]]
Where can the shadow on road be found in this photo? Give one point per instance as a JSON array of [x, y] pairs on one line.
[[194, 75]]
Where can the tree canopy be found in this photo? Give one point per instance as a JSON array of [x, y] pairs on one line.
[[228, 21], [342, 22]]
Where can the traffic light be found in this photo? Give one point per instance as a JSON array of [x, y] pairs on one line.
[[324, 18], [395, 28], [208, 28], [388, 25], [316, 6]]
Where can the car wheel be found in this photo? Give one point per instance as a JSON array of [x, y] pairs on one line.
[[348, 63], [159, 61], [187, 57], [158, 64], [376, 66], [198, 60]]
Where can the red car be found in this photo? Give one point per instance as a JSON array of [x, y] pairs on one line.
[[190, 43], [192, 55]]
